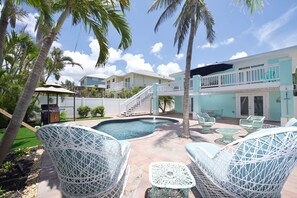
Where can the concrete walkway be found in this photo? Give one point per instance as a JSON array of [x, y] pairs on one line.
[[164, 145]]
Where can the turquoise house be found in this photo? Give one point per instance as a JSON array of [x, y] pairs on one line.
[[261, 84]]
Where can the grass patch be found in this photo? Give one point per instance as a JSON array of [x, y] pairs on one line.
[[25, 138], [89, 118]]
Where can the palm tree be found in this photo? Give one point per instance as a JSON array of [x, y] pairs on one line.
[[192, 13], [96, 15], [165, 101], [55, 63], [9, 14]]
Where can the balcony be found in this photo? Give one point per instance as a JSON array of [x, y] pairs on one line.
[[118, 86], [257, 77]]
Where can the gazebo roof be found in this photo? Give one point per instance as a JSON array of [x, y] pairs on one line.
[[53, 88]]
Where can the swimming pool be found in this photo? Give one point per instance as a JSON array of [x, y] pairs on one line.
[[123, 129]]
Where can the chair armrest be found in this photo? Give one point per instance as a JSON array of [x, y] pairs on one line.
[[211, 119], [244, 122], [201, 120], [257, 124]]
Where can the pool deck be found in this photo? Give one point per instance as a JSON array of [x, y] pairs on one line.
[[163, 145]]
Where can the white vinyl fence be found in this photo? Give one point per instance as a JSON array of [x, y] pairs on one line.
[[111, 105]]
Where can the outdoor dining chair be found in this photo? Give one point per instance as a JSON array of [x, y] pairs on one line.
[[206, 122], [252, 123], [255, 166], [89, 163]]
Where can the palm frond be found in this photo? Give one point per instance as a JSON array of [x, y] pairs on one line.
[[168, 12], [182, 25], [208, 20], [252, 5], [160, 4]]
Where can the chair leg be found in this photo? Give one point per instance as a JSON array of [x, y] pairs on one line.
[[206, 130]]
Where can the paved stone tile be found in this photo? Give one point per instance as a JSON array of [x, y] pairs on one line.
[[163, 145]]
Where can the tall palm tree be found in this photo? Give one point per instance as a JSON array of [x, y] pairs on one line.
[[55, 63], [96, 15], [192, 13], [9, 14]]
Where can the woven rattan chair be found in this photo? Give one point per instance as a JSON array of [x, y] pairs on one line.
[[255, 166], [88, 163], [291, 122], [252, 123], [205, 121]]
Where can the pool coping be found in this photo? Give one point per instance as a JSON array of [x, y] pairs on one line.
[[157, 129]]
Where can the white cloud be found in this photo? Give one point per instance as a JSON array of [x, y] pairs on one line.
[[136, 62], [179, 56], [216, 45], [111, 70], [265, 32], [201, 65], [168, 69], [227, 41], [208, 45], [29, 21], [114, 55], [57, 45], [156, 48], [238, 55]]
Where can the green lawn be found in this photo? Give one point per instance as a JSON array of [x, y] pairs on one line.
[[25, 138], [88, 118]]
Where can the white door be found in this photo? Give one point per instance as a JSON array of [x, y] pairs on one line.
[[251, 104]]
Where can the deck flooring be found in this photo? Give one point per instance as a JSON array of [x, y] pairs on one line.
[[164, 145]]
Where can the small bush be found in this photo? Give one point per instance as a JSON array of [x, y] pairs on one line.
[[101, 111], [7, 166], [83, 111], [2, 191], [22, 152], [63, 115], [98, 110]]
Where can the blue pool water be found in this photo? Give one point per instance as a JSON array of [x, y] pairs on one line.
[[123, 129]]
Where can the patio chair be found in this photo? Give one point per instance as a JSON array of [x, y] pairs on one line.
[[255, 166], [205, 121], [291, 122], [252, 123], [89, 163]]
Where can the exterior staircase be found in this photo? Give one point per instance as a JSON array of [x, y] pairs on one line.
[[131, 104]]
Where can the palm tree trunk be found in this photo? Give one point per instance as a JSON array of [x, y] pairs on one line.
[[25, 98], [186, 110], [3, 28]]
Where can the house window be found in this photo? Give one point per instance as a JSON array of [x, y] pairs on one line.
[[127, 83], [108, 84], [160, 81], [113, 80]]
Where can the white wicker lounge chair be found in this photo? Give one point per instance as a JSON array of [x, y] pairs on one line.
[[205, 121], [252, 123], [88, 163], [255, 166], [291, 122]]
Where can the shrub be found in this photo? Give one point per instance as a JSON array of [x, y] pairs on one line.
[[63, 115], [101, 111], [98, 110], [22, 152], [83, 111], [7, 166]]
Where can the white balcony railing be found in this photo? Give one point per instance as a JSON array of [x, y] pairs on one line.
[[242, 77], [236, 78], [173, 86], [118, 86]]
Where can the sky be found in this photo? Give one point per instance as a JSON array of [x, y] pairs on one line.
[[238, 33]]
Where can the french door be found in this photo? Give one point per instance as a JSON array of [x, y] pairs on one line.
[[251, 104]]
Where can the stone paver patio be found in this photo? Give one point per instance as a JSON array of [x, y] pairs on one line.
[[164, 145]]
